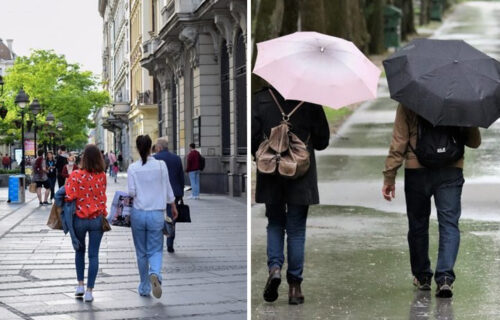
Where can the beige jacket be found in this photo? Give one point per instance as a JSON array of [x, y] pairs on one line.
[[405, 130]]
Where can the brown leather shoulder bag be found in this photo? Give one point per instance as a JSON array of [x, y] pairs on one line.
[[283, 153]]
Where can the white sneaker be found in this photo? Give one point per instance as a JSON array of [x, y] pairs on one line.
[[155, 283], [80, 291], [190, 198], [88, 297]]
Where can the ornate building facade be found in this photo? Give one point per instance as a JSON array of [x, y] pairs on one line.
[[197, 55]]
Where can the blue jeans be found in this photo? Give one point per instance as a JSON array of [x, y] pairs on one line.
[[292, 220], [148, 240], [446, 186], [94, 228], [52, 182], [194, 178]]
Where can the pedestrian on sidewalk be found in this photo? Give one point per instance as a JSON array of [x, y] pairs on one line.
[[87, 187], [115, 169], [176, 176], [50, 163], [193, 170], [6, 161], [112, 160], [287, 200], [61, 161], [69, 167], [149, 185], [421, 183], [40, 171], [106, 159]]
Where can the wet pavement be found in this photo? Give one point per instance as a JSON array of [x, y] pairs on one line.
[[204, 279], [357, 264]]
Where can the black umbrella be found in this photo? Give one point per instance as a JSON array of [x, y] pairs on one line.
[[447, 82]]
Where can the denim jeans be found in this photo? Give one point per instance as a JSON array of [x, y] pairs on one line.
[[52, 181], [148, 240], [446, 186], [194, 178], [292, 220], [94, 228]]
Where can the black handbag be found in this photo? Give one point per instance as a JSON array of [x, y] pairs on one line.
[[183, 210]]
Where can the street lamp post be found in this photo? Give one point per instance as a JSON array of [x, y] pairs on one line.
[[35, 109], [50, 120], [59, 128], [22, 100]]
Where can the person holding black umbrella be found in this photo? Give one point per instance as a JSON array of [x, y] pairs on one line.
[[446, 90]]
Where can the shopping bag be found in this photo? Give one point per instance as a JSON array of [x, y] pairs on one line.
[[121, 208], [32, 187], [55, 221], [183, 210]]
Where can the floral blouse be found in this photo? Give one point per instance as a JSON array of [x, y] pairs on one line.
[[89, 191]]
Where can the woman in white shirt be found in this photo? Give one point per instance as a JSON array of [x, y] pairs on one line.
[[146, 178]]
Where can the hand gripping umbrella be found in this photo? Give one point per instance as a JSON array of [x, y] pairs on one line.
[[447, 82], [316, 68]]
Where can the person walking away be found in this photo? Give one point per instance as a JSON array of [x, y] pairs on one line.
[[421, 183], [149, 185], [112, 160], [6, 161], [61, 161], [87, 187], [176, 176], [106, 159], [115, 171], [120, 161], [40, 178], [287, 200], [50, 163], [193, 170]]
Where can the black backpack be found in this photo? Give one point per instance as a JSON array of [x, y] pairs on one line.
[[439, 146], [202, 162]]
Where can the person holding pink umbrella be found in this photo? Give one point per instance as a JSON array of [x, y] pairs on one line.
[[306, 70]]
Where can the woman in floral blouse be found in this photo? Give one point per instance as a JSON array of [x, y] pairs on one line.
[[87, 187]]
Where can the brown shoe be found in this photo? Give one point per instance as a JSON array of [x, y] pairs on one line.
[[295, 295], [272, 285]]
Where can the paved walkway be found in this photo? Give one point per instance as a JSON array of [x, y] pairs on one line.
[[357, 263], [204, 279]]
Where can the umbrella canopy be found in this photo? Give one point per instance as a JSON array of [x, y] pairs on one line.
[[447, 82], [316, 68]]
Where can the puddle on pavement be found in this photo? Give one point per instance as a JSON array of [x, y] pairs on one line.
[[357, 267], [342, 167]]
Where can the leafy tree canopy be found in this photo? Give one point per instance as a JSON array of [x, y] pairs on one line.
[[62, 88]]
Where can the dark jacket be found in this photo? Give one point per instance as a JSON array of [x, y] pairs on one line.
[[310, 125], [68, 212], [175, 172], [61, 161], [193, 161]]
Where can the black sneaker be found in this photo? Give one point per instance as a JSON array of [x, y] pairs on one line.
[[423, 284], [272, 285], [444, 289], [45, 203], [170, 249], [41, 203]]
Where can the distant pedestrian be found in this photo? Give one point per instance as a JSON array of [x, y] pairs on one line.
[[6, 161], [69, 168], [176, 176], [112, 160], [115, 169], [40, 171], [61, 161], [287, 199], [149, 185], [51, 173], [87, 187], [444, 183], [120, 161], [193, 170]]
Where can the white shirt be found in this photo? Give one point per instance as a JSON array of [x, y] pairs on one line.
[[149, 185]]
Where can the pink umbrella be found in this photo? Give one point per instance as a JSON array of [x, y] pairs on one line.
[[321, 69]]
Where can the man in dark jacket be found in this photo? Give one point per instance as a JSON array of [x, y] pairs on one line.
[[61, 161], [176, 177], [193, 169], [287, 200]]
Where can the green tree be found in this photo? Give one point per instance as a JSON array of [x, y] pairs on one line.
[[61, 88]]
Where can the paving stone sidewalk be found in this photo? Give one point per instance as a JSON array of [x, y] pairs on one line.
[[204, 279]]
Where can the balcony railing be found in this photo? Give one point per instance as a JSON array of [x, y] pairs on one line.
[[144, 98]]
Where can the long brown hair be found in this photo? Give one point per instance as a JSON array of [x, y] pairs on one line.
[[92, 160]]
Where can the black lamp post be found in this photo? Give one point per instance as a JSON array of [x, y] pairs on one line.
[[1, 85], [3, 109], [22, 99], [50, 120], [59, 127], [35, 109]]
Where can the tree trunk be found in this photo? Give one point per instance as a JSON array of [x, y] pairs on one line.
[[312, 14], [407, 20], [375, 24], [290, 17], [266, 24], [425, 12]]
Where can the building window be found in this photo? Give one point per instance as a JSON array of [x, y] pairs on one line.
[[225, 109], [241, 94], [173, 103], [157, 100]]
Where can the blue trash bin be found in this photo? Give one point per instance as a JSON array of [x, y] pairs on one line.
[[16, 189]]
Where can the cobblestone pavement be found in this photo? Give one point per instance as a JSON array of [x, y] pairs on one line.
[[204, 279]]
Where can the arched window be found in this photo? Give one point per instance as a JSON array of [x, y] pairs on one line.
[[240, 77], [225, 108]]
